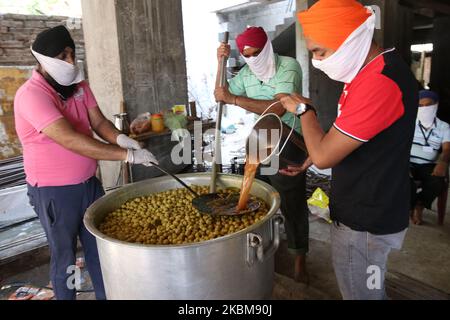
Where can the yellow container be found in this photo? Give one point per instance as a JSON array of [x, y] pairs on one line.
[[179, 109], [158, 123]]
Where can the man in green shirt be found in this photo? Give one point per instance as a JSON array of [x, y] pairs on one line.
[[266, 79]]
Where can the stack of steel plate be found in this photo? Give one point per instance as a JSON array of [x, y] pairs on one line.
[[12, 173]]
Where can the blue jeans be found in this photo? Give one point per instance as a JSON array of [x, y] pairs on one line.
[[359, 261], [61, 211]]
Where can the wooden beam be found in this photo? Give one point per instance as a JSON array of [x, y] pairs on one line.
[[435, 5], [426, 12]]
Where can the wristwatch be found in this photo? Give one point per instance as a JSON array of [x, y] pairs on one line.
[[302, 108]]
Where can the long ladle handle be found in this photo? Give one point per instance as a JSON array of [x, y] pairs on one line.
[[218, 141], [176, 178]]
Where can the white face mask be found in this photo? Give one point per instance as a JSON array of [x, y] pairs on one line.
[[347, 61], [263, 66], [427, 115], [66, 74]]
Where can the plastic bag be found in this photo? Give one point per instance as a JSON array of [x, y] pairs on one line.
[[24, 293], [141, 124], [175, 122], [44, 295], [319, 205]]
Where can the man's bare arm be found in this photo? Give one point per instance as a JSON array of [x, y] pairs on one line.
[[251, 105], [62, 133], [445, 155], [102, 126], [259, 106], [325, 150], [441, 168]]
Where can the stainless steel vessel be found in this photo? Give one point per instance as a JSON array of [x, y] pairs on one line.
[[121, 122], [238, 266]]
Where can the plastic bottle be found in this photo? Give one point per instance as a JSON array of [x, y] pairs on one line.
[[158, 123]]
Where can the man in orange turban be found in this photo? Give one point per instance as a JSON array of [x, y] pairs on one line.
[[331, 22], [369, 145]]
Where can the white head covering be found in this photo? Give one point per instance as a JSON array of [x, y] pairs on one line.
[[263, 66]]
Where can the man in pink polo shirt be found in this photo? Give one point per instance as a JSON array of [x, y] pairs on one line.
[[56, 115]]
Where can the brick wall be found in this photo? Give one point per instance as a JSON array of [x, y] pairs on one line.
[[11, 78], [17, 32]]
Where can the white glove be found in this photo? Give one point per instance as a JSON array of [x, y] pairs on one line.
[[141, 157], [126, 142]]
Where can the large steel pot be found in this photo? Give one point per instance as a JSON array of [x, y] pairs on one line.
[[238, 266]]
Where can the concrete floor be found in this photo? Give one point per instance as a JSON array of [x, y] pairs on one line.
[[424, 259], [423, 265], [426, 254]]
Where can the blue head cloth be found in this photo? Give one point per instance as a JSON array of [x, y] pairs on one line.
[[429, 94]]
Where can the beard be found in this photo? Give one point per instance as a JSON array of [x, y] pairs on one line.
[[65, 92]]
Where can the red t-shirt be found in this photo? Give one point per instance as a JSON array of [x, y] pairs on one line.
[[370, 104]]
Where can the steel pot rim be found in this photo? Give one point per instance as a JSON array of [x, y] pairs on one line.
[[90, 215]]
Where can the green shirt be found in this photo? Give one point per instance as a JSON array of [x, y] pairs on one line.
[[287, 80]]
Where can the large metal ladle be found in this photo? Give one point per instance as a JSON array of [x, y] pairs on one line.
[[217, 204], [214, 204]]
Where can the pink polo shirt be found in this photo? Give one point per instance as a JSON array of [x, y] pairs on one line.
[[36, 106]]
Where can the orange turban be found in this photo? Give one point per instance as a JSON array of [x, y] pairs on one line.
[[331, 22]]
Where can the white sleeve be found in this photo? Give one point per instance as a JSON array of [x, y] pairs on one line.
[[446, 134]]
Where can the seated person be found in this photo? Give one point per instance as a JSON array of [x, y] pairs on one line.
[[429, 166]]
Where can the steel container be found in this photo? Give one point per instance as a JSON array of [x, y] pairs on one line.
[[238, 266]]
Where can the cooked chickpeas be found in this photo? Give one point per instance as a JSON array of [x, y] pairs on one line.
[[168, 218]]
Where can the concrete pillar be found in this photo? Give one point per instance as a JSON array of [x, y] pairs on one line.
[[440, 69], [153, 64], [302, 51], [153, 60], [397, 28], [135, 53], [103, 64]]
